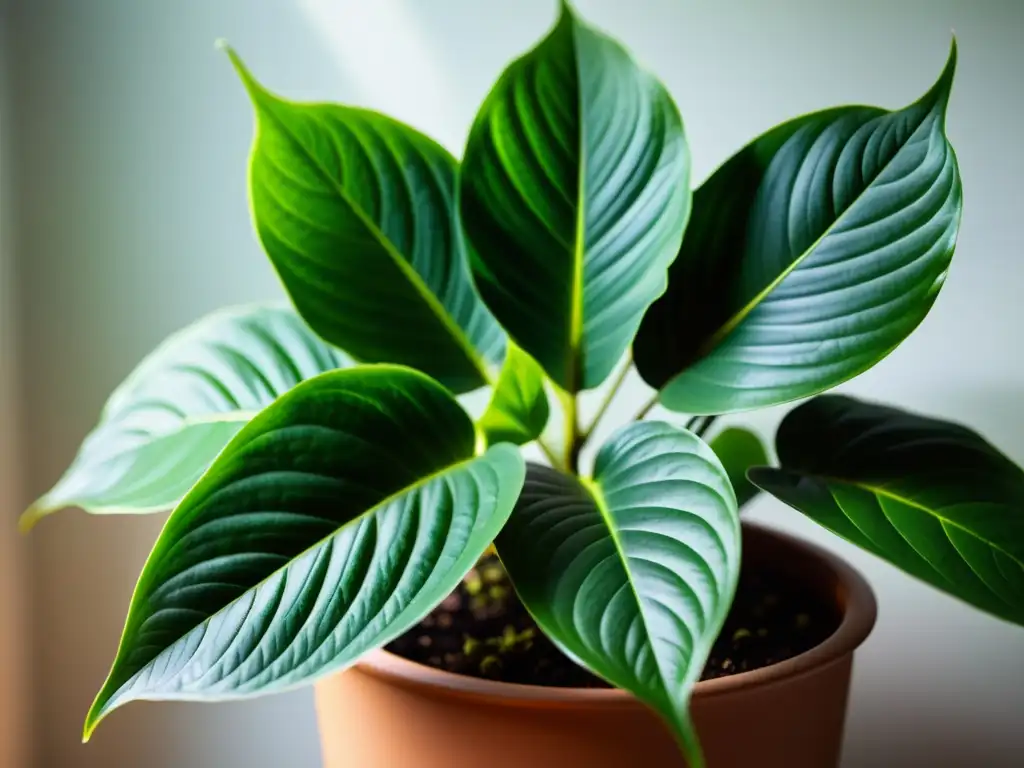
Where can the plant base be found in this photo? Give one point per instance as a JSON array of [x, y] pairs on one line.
[[392, 713]]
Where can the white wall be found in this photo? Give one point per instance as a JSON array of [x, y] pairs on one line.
[[133, 137]]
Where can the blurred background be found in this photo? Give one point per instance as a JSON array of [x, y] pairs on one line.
[[124, 137]]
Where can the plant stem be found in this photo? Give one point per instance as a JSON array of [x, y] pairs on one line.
[[647, 407], [612, 392], [703, 428], [699, 425], [572, 433], [548, 452], [686, 735]]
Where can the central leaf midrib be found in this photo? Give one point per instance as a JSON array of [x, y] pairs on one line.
[[432, 302], [412, 487], [597, 494], [575, 371], [733, 323]]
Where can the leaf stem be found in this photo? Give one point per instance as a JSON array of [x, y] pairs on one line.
[[700, 425], [612, 392], [647, 407], [548, 452], [572, 433], [703, 428]]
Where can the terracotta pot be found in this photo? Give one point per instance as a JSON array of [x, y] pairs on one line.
[[391, 713]]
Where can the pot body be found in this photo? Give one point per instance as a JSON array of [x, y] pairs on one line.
[[391, 713]]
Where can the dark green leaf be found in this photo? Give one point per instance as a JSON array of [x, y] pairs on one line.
[[933, 498], [632, 573], [356, 212], [574, 196], [518, 411], [163, 426], [740, 449], [810, 256], [333, 522]]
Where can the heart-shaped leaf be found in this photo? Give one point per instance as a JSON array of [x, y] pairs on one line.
[[574, 194], [632, 573], [740, 449], [810, 256], [519, 410], [170, 418], [356, 212], [931, 497], [334, 521]]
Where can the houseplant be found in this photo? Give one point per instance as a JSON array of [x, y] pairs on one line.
[[379, 462]]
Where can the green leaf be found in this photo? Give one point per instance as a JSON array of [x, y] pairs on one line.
[[740, 449], [170, 418], [810, 256], [931, 497], [356, 212], [518, 411], [632, 572], [574, 194], [333, 522]]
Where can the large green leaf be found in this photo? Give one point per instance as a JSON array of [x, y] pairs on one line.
[[356, 211], [334, 521], [163, 426], [810, 256], [519, 409], [933, 498], [632, 572], [574, 194], [740, 449]]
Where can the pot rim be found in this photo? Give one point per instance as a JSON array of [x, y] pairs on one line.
[[853, 594]]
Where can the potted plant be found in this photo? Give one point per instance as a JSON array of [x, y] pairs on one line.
[[340, 517]]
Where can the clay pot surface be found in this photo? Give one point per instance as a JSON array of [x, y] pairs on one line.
[[387, 712]]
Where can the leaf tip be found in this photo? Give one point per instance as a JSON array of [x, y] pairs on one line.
[[31, 516], [566, 14], [951, 59], [939, 93], [92, 720], [106, 701], [253, 86]]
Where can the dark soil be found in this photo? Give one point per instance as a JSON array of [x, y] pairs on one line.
[[482, 630]]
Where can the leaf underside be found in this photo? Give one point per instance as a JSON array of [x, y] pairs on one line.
[[170, 418]]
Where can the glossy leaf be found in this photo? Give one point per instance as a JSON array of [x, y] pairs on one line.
[[333, 522], [574, 194], [810, 256], [740, 449], [931, 497], [518, 411], [356, 212], [170, 418], [632, 572]]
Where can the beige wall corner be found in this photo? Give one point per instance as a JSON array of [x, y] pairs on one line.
[[15, 708]]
